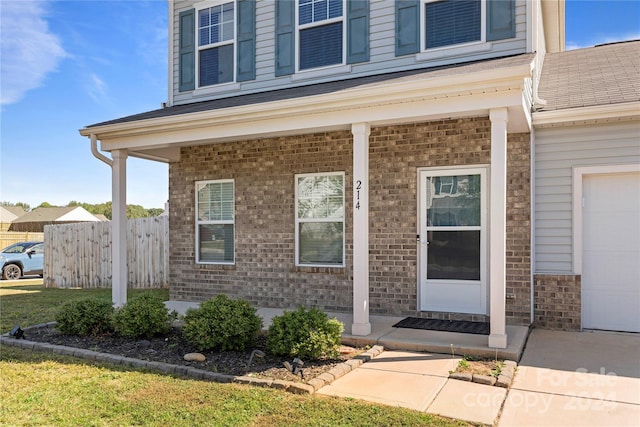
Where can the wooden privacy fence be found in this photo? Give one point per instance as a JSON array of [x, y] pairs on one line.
[[10, 237], [79, 255]]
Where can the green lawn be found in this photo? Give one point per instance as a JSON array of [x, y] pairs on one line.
[[47, 389]]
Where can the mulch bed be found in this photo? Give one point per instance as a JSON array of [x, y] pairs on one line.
[[172, 348]]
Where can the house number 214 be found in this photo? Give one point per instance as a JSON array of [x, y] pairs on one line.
[[358, 188]]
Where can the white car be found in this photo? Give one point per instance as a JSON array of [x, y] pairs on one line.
[[22, 259]]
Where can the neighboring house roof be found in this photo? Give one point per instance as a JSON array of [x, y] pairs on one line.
[[101, 217], [48, 215], [328, 88], [10, 213], [594, 76]]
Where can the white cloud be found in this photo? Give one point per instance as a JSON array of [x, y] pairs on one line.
[[601, 39], [29, 51], [97, 88]]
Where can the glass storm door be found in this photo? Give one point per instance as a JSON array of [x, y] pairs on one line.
[[452, 240]]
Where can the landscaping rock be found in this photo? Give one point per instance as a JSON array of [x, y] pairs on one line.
[[463, 376], [510, 363], [327, 377], [484, 379], [345, 349], [194, 357], [354, 363], [340, 370], [317, 383], [299, 388], [503, 381]]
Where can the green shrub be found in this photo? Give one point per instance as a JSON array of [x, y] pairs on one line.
[[222, 324], [89, 316], [304, 333], [142, 316]]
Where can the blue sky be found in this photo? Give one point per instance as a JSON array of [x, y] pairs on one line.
[[67, 64]]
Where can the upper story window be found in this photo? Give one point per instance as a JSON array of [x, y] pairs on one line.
[[437, 28], [216, 43], [215, 222], [320, 28], [452, 22]]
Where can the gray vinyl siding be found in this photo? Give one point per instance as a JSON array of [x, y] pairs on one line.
[[557, 151], [382, 51]]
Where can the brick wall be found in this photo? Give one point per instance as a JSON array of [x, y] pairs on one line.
[[264, 171], [518, 304], [557, 301]]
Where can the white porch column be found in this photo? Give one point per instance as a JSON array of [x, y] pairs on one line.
[[361, 325], [498, 228], [119, 228]]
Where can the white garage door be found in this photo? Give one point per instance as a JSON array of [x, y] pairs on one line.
[[611, 252]]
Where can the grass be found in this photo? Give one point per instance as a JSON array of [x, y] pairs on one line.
[[49, 389], [479, 366]]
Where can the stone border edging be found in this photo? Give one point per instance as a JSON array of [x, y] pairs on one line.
[[309, 387], [504, 380]]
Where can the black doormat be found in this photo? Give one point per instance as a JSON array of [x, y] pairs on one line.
[[462, 326]]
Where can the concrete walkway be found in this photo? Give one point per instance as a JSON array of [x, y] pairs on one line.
[[419, 381], [563, 378], [576, 379]]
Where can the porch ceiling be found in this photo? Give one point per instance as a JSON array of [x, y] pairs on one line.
[[471, 90]]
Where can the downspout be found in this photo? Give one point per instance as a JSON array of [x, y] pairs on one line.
[[538, 103], [98, 155], [118, 221], [532, 226]]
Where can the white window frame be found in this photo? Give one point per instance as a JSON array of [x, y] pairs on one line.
[[318, 24], [206, 5], [461, 48], [199, 222], [316, 220]]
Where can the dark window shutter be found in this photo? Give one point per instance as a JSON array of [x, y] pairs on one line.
[[407, 27], [187, 51], [246, 40], [501, 19], [285, 46], [357, 31]]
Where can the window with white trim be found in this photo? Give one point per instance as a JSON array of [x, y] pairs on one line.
[[215, 33], [320, 219], [320, 29], [451, 22], [215, 222]]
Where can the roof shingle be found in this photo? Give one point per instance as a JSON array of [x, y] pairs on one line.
[[600, 75]]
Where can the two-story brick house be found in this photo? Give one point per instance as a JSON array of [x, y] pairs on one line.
[[355, 156]]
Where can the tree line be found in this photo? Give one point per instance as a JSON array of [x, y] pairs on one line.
[[133, 211]]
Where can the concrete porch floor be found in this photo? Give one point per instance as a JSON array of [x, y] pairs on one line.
[[383, 333]]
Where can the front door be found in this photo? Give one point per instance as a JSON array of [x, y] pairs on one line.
[[452, 235]]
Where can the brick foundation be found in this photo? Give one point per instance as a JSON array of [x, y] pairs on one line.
[[263, 170], [557, 302]]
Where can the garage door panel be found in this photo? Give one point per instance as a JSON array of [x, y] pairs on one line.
[[607, 234], [611, 252], [599, 305], [625, 264]]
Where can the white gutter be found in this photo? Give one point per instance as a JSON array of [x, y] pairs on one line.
[[98, 155], [607, 112]]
